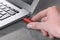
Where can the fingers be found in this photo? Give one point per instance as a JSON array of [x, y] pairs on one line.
[[34, 25], [53, 12], [38, 26], [52, 15], [50, 12], [44, 19], [44, 32], [51, 36], [40, 15]]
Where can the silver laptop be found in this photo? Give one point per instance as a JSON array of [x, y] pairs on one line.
[[12, 10]]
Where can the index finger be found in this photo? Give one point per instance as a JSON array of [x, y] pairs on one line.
[[40, 15]]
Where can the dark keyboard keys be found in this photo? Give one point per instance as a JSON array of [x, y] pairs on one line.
[[5, 16], [6, 9], [1, 15], [2, 7], [3, 12], [15, 10], [11, 12], [0, 4], [6, 12]]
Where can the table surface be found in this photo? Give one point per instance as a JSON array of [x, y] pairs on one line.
[[18, 31]]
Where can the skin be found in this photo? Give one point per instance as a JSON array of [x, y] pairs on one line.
[[50, 22]]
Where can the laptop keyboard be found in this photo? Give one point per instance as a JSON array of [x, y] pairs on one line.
[[6, 11]]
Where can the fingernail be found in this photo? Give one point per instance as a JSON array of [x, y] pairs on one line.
[[29, 26]]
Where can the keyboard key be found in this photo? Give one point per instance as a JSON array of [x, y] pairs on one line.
[[3, 12], [1, 15], [15, 10], [11, 12], [0, 4], [4, 4], [6, 9], [5, 16], [2, 7]]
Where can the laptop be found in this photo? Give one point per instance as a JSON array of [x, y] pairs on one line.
[[12, 10]]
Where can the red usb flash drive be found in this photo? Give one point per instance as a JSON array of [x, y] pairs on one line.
[[27, 20]]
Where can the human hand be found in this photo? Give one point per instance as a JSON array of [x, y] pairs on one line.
[[50, 22]]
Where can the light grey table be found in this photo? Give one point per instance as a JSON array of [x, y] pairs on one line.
[[18, 31]]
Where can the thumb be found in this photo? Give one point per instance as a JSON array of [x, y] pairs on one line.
[[34, 25]]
